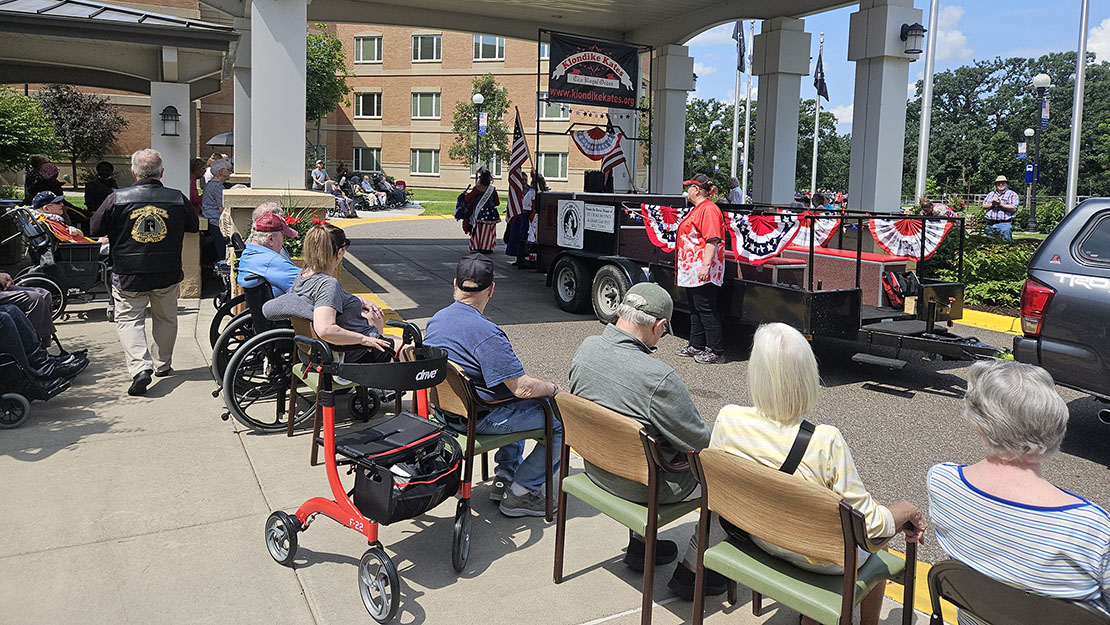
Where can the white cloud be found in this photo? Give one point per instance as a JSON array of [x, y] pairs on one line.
[[703, 69], [843, 113], [951, 41], [714, 36], [1098, 41]]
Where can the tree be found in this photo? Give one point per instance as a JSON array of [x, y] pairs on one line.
[[708, 140], [86, 124], [832, 151], [326, 77], [465, 124], [24, 130]]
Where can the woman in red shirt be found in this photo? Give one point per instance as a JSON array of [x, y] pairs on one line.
[[700, 269]]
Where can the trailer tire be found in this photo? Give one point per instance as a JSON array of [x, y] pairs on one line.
[[569, 284], [610, 285]]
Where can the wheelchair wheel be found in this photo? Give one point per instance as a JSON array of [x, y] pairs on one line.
[[58, 298], [14, 410], [256, 383], [460, 544], [224, 314], [363, 410], [281, 537], [378, 584], [239, 331]]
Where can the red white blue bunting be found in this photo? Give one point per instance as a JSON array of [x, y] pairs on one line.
[[823, 229], [902, 237], [759, 238], [661, 223]]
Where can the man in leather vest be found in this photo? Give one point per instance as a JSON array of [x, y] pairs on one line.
[[145, 225]]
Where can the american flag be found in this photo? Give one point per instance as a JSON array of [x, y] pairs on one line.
[[612, 160], [517, 181]]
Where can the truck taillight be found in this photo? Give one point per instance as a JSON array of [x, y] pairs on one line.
[[1035, 298]]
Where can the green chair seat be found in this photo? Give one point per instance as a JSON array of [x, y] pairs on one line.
[[492, 442], [817, 596], [312, 380], [630, 514]]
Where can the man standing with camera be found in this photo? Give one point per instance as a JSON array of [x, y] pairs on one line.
[[1001, 205]]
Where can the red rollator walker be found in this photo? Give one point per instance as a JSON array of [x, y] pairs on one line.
[[404, 466]]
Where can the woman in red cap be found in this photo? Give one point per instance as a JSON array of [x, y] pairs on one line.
[[700, 269]]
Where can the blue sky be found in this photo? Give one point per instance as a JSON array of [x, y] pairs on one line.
[[968, 30]]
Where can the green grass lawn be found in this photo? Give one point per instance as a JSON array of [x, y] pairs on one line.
[[436, 201]]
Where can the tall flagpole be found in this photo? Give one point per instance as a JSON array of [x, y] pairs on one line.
[[816, 128], [926, 104], [739, 31], [1077, 108], [747, 113]]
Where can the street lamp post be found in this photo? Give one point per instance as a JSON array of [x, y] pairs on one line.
[[1029, 134], [478, 99], [1042, 82]]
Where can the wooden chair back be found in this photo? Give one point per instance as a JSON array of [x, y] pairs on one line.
[[604, 438], [774, 506], [455, 394]]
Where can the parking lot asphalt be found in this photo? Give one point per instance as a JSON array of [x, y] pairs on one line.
[[897, 423]]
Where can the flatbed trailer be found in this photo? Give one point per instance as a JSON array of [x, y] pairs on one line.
[[592, 250]]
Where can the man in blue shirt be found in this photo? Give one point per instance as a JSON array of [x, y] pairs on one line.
[[483, 351], [1001, 205], [264, 257]]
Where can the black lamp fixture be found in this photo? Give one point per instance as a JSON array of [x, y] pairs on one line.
[[913, 34], [170, 117]]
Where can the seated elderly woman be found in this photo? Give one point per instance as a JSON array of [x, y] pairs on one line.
[[343, 204], [339, 318], [999, 516], [782, 375]]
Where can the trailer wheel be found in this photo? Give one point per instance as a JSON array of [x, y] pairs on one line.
[[570, 285], [610, 285]]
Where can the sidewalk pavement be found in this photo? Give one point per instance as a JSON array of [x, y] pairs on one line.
[[144, 510]]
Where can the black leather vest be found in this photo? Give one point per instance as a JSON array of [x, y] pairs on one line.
[[146, 229]]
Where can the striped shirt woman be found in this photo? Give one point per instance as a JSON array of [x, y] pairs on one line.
[[1057, 551]]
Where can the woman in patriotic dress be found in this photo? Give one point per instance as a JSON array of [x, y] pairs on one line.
[[483, 214]]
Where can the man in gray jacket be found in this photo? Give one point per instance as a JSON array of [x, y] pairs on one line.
[[617, 370]]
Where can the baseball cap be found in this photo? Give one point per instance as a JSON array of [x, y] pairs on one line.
[[270, 222], [46, 197], [699, 180], [476, 268], [652, 299]]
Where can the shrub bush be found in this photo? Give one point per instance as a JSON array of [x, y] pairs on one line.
[[994, 271]]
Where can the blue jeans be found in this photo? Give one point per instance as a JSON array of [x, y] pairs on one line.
[[518, 417], [1002, 229]]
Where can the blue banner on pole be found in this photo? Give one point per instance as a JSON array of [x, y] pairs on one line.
[[1021, 150], [1029, 172], [483, 123], [1044, 114]]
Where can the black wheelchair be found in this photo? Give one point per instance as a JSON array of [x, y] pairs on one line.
[[17, 389], [225, 304]]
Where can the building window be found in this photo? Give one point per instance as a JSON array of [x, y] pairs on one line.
[[368, 159], [427, 47], [551, 110], [494, 168], [368, 106], [424, 162], [425, 106], [489, 48], [368, 49], [553, 165], [545, 51]]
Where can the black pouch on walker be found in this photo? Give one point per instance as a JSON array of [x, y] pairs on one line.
[[404, 467]]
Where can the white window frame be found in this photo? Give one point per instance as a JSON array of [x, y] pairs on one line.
[[480, 41], [359, 44], [437, 49], [564, 162], [563, 114], [414, 161], [496, 170], [359, 112], [358, 161], [545, 51], [436, 106]]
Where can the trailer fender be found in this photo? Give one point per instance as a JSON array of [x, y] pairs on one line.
[[635, 272]]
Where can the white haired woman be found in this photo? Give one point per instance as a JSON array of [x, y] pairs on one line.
[[783, 378], [1000, 516], [212, 204]]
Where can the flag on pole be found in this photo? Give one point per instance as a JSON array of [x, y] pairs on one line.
[[615, 157], [738, 35], [819, 79], [517, 181]]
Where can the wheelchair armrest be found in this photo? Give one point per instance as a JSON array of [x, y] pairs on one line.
[[319, 352]]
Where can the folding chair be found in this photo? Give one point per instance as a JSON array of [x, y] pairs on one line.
[[1001, 604], [796, 515], [619, 445]]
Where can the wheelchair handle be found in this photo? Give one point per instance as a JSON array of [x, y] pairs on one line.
[[410, 332], [319, 351]]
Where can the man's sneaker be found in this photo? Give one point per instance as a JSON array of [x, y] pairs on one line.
[[498, 488], [688, 352], [682, 583], [528, 504], [665, 552], [709, 357]]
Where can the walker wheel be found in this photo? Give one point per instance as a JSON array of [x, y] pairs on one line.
[[379, 585], [363, 410], [281, 537], [460, 545], [14, 410]]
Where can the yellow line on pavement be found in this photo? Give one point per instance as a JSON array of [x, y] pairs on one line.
[[991, 321], [921, 601], [355, 286], [346, 223]]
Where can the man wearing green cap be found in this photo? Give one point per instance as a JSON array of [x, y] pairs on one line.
[[617, 370]]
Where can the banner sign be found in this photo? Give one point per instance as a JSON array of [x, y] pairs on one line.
[[595, 143], [1021, 150], [599, 73], [600, 218], [570, 226], [1044, 114], [483, 123]]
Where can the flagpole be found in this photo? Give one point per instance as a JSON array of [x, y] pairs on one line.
[[926, 104], [747, 116], [1077, 108], [816, 127], [739, 31]]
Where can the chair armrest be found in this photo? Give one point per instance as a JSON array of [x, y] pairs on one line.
[[655, 452], [319, 351]]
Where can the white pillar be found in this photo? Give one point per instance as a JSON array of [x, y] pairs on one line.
[[278, 30], [241, 71], [879, 108], [780, 57], [174, 149], [674, 77]]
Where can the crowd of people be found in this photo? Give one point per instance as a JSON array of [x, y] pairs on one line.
[[371, 192]]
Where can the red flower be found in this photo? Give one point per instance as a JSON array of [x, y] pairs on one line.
[[290, 220], [316, 221]]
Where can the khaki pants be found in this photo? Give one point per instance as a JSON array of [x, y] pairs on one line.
[[131, 327]]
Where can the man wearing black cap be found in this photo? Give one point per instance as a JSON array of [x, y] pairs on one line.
[[483, 351], [700, 270]]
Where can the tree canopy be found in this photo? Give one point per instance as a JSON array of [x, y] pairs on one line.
[[465, 124], [85, 123], [24, 130], [326, 79]]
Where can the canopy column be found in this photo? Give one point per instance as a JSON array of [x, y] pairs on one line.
[[277, 93], [674, 77], [241, 73], [780, 57]]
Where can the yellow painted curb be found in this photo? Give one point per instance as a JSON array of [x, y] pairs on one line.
[[346, 223], [921, 601], [355, 286], [991, 321]]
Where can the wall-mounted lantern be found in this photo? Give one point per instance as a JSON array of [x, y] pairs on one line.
[[170, 117]]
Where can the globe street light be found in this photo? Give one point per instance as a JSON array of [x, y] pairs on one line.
[[477, 99], [1041, 82]]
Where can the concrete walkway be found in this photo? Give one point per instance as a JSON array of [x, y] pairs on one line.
[[150, 510]]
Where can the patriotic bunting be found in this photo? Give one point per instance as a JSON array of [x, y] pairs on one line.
[[661, 223], [902, 237], [759, 238], [823, 229]]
